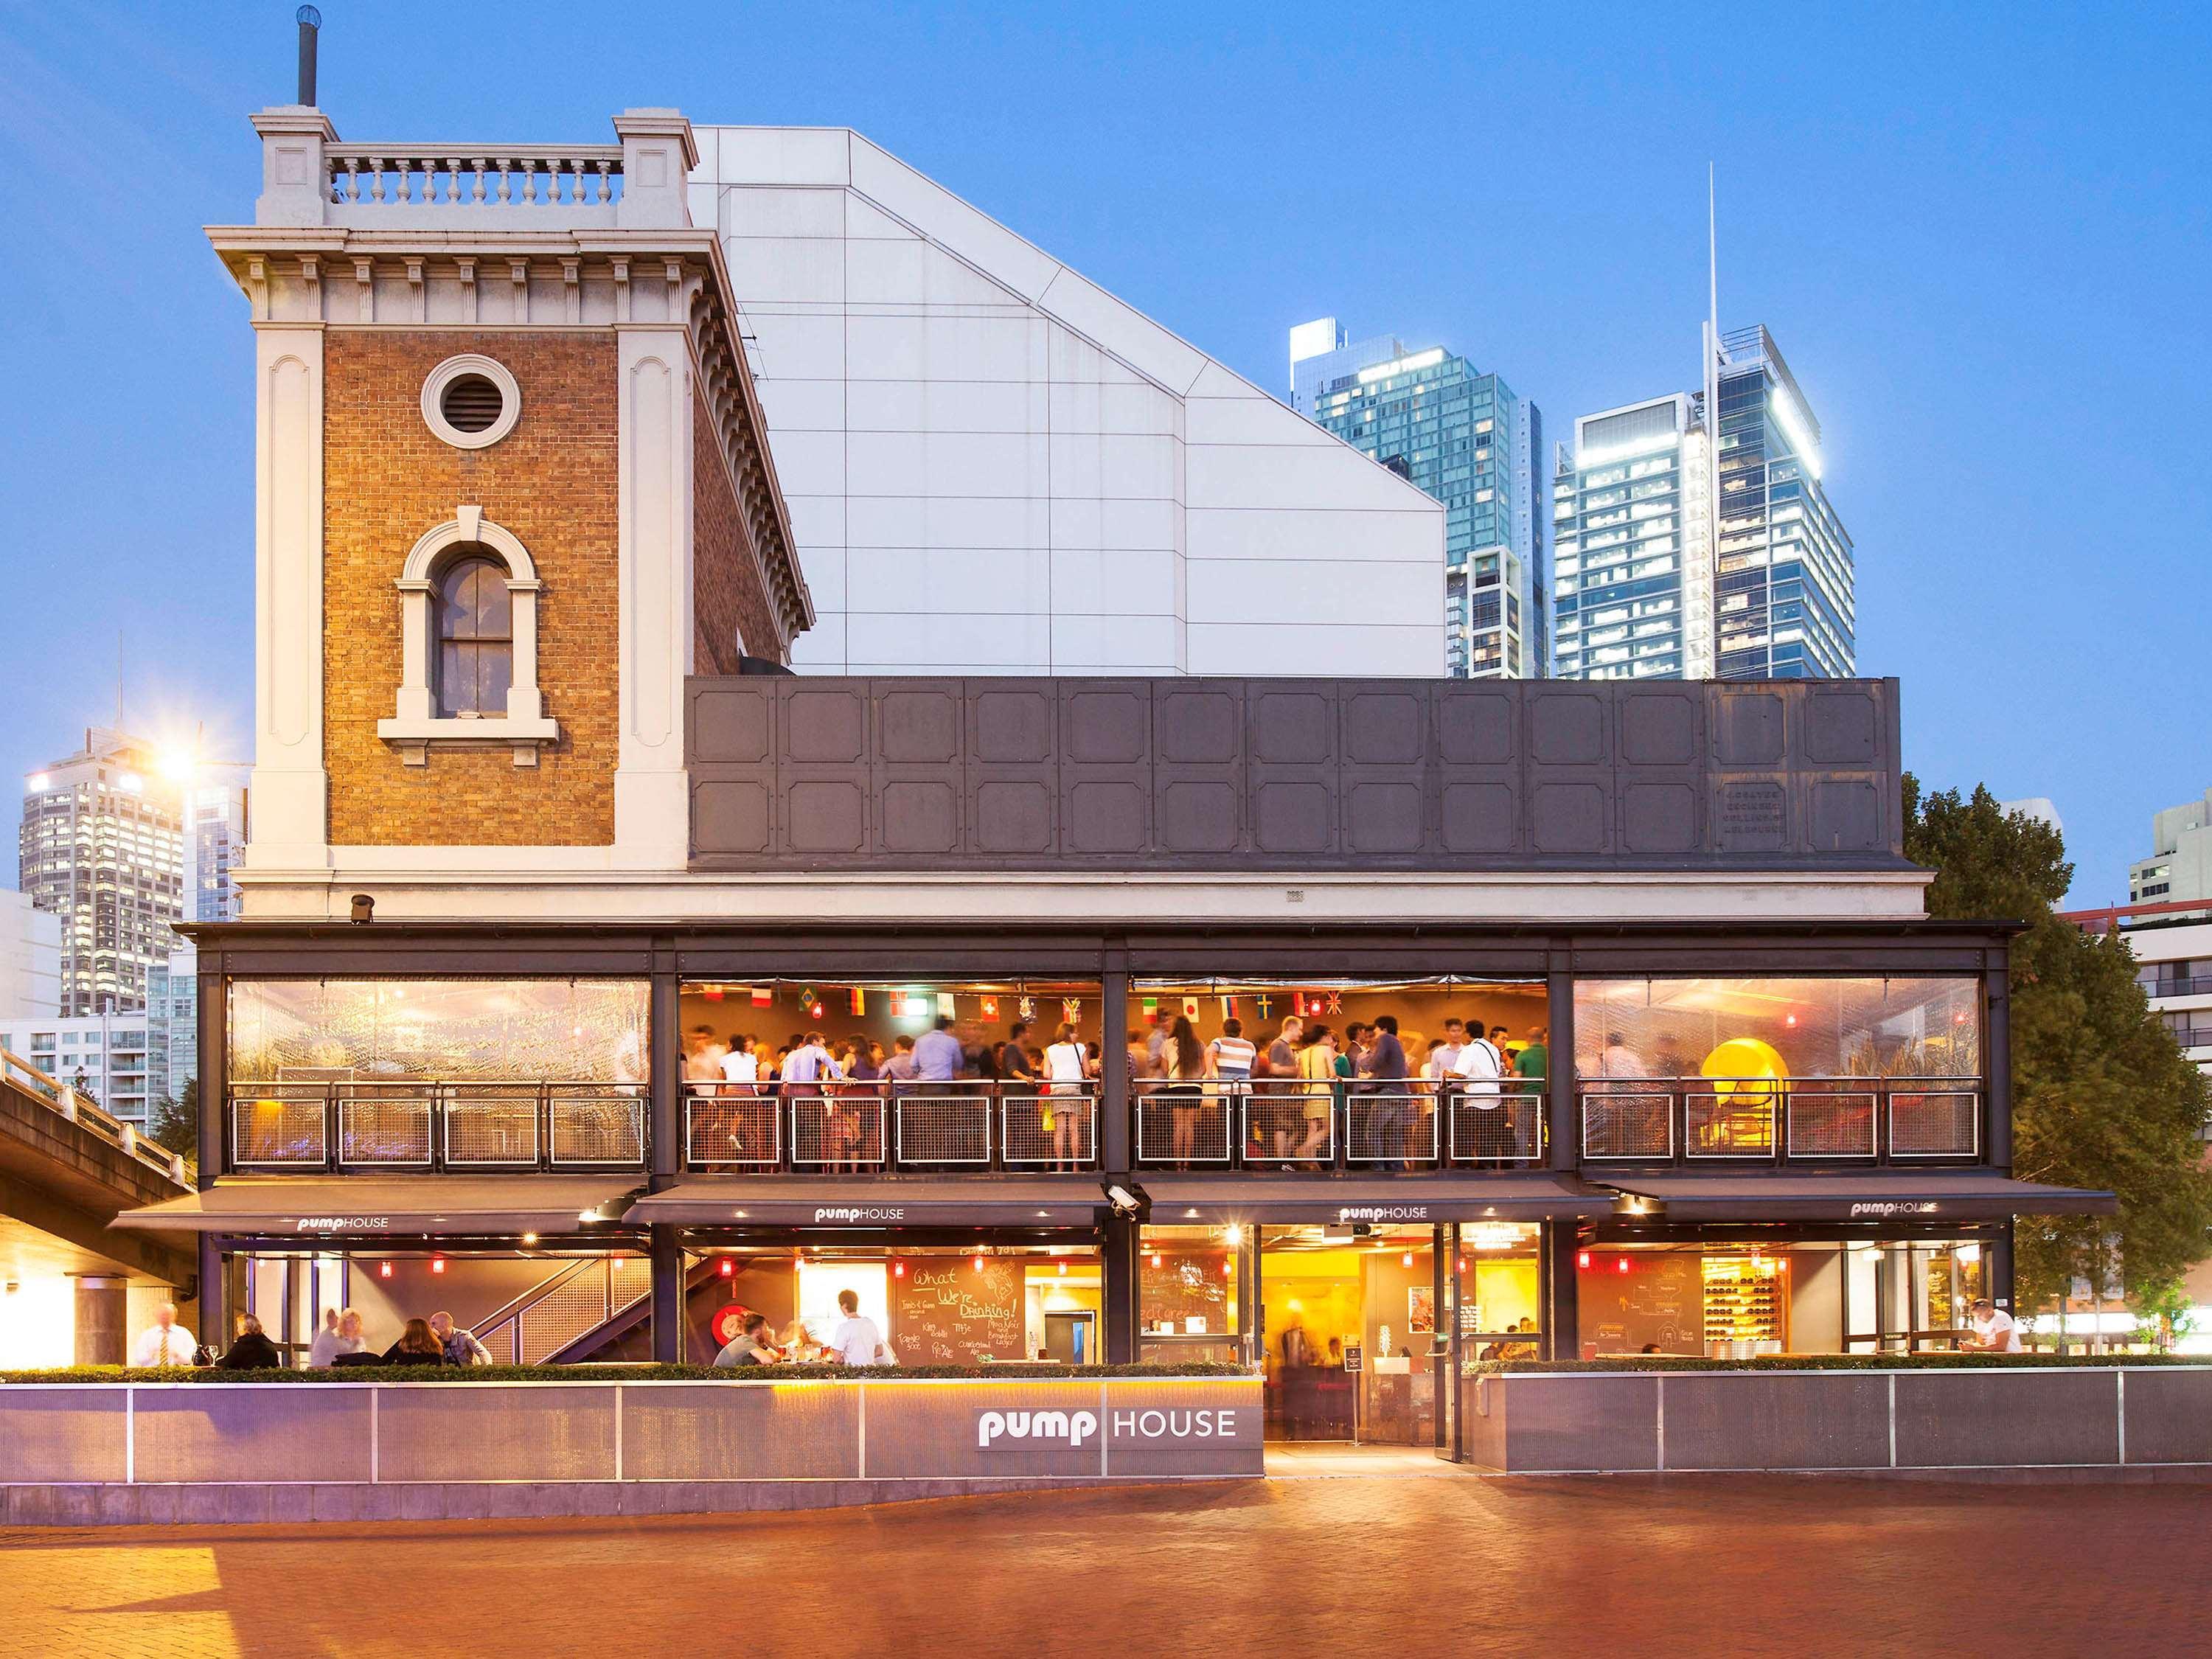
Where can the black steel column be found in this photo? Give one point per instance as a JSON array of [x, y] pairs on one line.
[[666, 1045], [1996, 1276], [1562, 1319], [213, 1084], [1559, 1045], [1118, 1289], [1439, 1354], [1114, 1068], [1458, 1359], [1996, 1059], [668, 1296]]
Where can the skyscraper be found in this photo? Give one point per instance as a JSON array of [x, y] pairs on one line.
[[215, 842], [1655, 583], [1467, 439], [101, 847]]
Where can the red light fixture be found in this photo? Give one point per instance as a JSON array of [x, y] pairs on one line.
[[1406, 1260], [898, 1270], [384, 1270], [979, 1264], [1581, 1261], [729, 1268], [437, 1264], [1621, 1266], [1063, 1269], [1155, 1262], [1228, 1268]]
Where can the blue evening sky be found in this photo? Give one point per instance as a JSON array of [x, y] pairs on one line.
[[1979, 235]]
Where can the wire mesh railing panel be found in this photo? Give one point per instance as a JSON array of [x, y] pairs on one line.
[[724, 1126], [1502, 1124], [1936, 1122], [1625, 1122], [491, 1125], [1290, 1123], [385, 1123], [1829, 1122], [1390, 1126], [1054, 1126], [563, 1314], [836, 1130], [278, 1123], [596, 1124], [950, 1129], [1730, 1121], [1183, 1123]]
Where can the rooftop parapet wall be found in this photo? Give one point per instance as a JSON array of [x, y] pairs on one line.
[[1316, 776]]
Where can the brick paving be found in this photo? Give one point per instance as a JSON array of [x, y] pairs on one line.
[[1463, 1565]]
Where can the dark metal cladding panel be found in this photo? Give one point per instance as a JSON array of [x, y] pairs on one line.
[[918, 768], [1205, 774], [1200, 776]]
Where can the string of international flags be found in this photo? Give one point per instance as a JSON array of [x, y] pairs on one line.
[[904, 1004]]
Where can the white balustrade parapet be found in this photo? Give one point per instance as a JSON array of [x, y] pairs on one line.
[[311, 179]]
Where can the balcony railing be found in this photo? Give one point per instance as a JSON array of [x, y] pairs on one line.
[[1757, 1120], [352, 1124], [559, 176], [1269, 1123], [877, 1127]]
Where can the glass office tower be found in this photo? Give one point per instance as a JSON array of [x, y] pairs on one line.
[[1656, 581], [1467, 439]]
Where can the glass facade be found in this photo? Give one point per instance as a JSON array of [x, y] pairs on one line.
[[1696, 548], [1467, 439]]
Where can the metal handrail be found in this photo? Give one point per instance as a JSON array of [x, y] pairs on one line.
[[125, 1137], [1418, 1122], [1769, 1119], [409, 1123]]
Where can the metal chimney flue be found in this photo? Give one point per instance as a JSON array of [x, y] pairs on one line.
[[310, 22]]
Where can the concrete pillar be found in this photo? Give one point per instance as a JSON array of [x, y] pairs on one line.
[[1114, 1044], [103, 1319]]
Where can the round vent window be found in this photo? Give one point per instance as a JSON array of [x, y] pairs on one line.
[[471, 401]]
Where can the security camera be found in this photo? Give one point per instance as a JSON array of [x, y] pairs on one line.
[[1127, 1202]]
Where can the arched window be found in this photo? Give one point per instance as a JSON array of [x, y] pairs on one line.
[[468, 609], [474, 635]]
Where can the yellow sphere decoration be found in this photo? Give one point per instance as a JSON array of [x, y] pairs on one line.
[[1746, 1072]]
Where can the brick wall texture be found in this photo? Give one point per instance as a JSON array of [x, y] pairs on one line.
[[386, 478], [729, 605]]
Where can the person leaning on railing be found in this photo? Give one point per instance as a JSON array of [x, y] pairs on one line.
[[1067, 1072]]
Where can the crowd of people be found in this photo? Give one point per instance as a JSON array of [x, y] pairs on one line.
[[437, 1341], [1307, 1075], [836, 1081]]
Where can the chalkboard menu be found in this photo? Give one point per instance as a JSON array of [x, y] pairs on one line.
[[1660, 1298], [949, 1313]]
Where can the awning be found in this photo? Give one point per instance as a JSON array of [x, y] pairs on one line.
[[873, 1202], [1385, 1200], [1912, 1195], [391, 1206]]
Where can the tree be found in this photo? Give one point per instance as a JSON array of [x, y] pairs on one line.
[[176, 1125], [2102, 1096]]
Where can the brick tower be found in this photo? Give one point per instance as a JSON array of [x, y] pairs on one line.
[[512, 486]]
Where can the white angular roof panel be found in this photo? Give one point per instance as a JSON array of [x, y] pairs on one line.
[[995, 466]]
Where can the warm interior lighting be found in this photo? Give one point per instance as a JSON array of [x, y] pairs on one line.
[[1621, 1265], [1583, 1260], [1063, 1268], [437, 1264], [1406, 1260], [384, 1270], [529, 1238], [979, 1264], [729, 1268], [898, 1270], [1234, 1236], [1155, 1262]]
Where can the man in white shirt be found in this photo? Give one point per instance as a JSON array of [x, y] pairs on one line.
[[1994, 1331], [811, 1062], [1479, 1066], [857, 1341], [167, 1343]]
